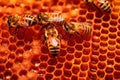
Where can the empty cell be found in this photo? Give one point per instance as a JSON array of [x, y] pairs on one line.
[[118, 33], [102, 57], [96, 27], [81, 19], [106, 25], [92, 76], [62, 52], [98, 14], [52, 61], [68, 65], [116, 74], [104, 31], [106, 18], [14, 77], [5, 34], [40, 78], [100, 73], [109, 77], [67, 73], [11, 56], [35, 59], [19, 52], [82, 12], [113, 22], [74, 77], [75, 69], [20, 43], [18, 60], [44, 57], [50, 69], [23, 72], [95, 46], [70, 49], [43, 65], [12, 47], [101, 65], [92, 67], [44, 49], [86, 51], [118, 40], [112, 42], [59, 65], [86, 44], [2, 68], [89, 16], [117, 67], [85, 58], [9, 64], [61, 59], [114, 16], [109, 70], [117, 59], [78, 47], [104, 38], [103, 44], [94, 59], [27, 47], [58, 72], [97, 20], [103, 50], [77, 61], [112, 36], [69, 57], [78, 54], [95, 39], [48, 76], [1, 76], [112, 29], [82, 74], [111, 54], [12, 39], [5, 42], [95, 52], [84, 67], [71, 42], [7, 74], [110, 62]]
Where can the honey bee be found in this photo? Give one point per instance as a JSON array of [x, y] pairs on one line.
[[101, 5], [17, 21], [80, 28], [52, 39], [45, 18]]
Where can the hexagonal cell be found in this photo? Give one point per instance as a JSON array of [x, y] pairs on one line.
[[48, 76], [94, 59], [100, 73], [84, 67], [78, 54], [78, 47], [117, 59], [69, 57], [50, 69], [58, 72], [92, 76], [109, 77], [106, 18], [44, 57], [74, 77], [116, 74], [70, 49], [105, 25], [86, 51], [20, 44], [27, 47], [96, 20], [5, 34], [86, 44], [18, 60], [109, 70], [52, 61], [7, 74], [71, 42], [102, 57], [67, 73], [104, 31], [62, 52], [75, 69], [12, 47], [23, 72], [68, 65], [35, 60], [12, 39], [2, 68], [113, 22], [5, 42], [9, 64], [43, 65], [93, 68], [117, 67], [85, 58], [61, 59], [96, 27], [101, 65]]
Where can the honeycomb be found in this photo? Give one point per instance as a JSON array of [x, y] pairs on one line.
[[25, 56]]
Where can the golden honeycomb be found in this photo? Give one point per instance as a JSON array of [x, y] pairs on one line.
[[24, 56]]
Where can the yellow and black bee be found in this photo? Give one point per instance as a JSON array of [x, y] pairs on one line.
[[80, 28], [17, 21], [101, 5], [52, 39]]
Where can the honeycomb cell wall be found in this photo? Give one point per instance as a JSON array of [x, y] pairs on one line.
[[25, 55]]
